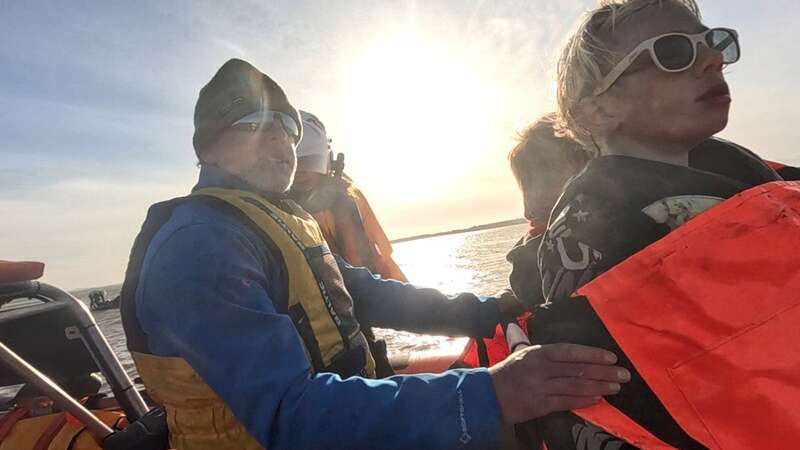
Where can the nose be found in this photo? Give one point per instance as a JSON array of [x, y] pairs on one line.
[[529, 205], [708, 60], [288, 138], [276, 133]]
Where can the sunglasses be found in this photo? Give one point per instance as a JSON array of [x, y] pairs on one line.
[[677, 52], [266, 119]]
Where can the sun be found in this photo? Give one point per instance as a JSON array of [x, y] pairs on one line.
[[423, 115]]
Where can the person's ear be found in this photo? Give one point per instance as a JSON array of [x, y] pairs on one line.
[[598, 115], [208, 156], [214, 151]]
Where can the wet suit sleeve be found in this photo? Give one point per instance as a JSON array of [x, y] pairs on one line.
[[789, 173], [205, 297], [394, 304], [586, 238], [524, 280]]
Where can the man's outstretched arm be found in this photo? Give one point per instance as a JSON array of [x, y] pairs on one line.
[[403, 306]]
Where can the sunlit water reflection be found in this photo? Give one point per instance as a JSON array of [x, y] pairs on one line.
[[468, 262]]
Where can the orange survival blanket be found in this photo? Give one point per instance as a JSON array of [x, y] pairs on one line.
[[710, 316]]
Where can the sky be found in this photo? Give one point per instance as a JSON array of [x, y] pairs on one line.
[[424, 98]]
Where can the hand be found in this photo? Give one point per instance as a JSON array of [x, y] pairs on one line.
[[541, 379], [508, 304]]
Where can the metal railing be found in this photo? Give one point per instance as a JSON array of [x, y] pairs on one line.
[[122, 387]]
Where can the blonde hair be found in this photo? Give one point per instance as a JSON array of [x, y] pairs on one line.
[[539, 148], [589, 55]]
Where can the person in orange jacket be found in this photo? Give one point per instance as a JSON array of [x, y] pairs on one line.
[[345, 217]]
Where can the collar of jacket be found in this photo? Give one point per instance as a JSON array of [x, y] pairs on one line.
[[215, 177]]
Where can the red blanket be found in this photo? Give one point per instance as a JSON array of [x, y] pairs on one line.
[[709, 316]]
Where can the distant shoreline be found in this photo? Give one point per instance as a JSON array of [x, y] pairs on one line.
[[488, 226]]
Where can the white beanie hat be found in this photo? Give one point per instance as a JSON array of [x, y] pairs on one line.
[[313, 152]]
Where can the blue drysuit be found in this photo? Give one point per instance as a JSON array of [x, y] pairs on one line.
[[210, 292]]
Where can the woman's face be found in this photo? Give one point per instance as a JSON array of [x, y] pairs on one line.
[[650, 105]]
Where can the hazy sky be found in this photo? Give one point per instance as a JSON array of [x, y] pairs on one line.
[[425, 99]]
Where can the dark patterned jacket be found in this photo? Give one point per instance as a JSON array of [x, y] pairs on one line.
[[616, 207]]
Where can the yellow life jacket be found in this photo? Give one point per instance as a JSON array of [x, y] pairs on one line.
[[318, 304]]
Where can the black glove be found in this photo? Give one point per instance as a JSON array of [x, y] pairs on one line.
[[150, 432]]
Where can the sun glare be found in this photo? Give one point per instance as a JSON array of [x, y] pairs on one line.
[[423, 114]]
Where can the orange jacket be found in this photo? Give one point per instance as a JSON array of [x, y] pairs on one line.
[[354, 233]]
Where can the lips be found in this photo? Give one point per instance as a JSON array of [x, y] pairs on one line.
[[718, 93]]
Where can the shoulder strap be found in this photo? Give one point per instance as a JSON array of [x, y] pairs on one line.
[[8, 421], [52, 430]]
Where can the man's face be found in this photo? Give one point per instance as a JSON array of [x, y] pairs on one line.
[[263, 157], [305, 181]]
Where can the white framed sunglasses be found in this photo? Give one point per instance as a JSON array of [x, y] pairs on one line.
[[266, 118], [677, 52]]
